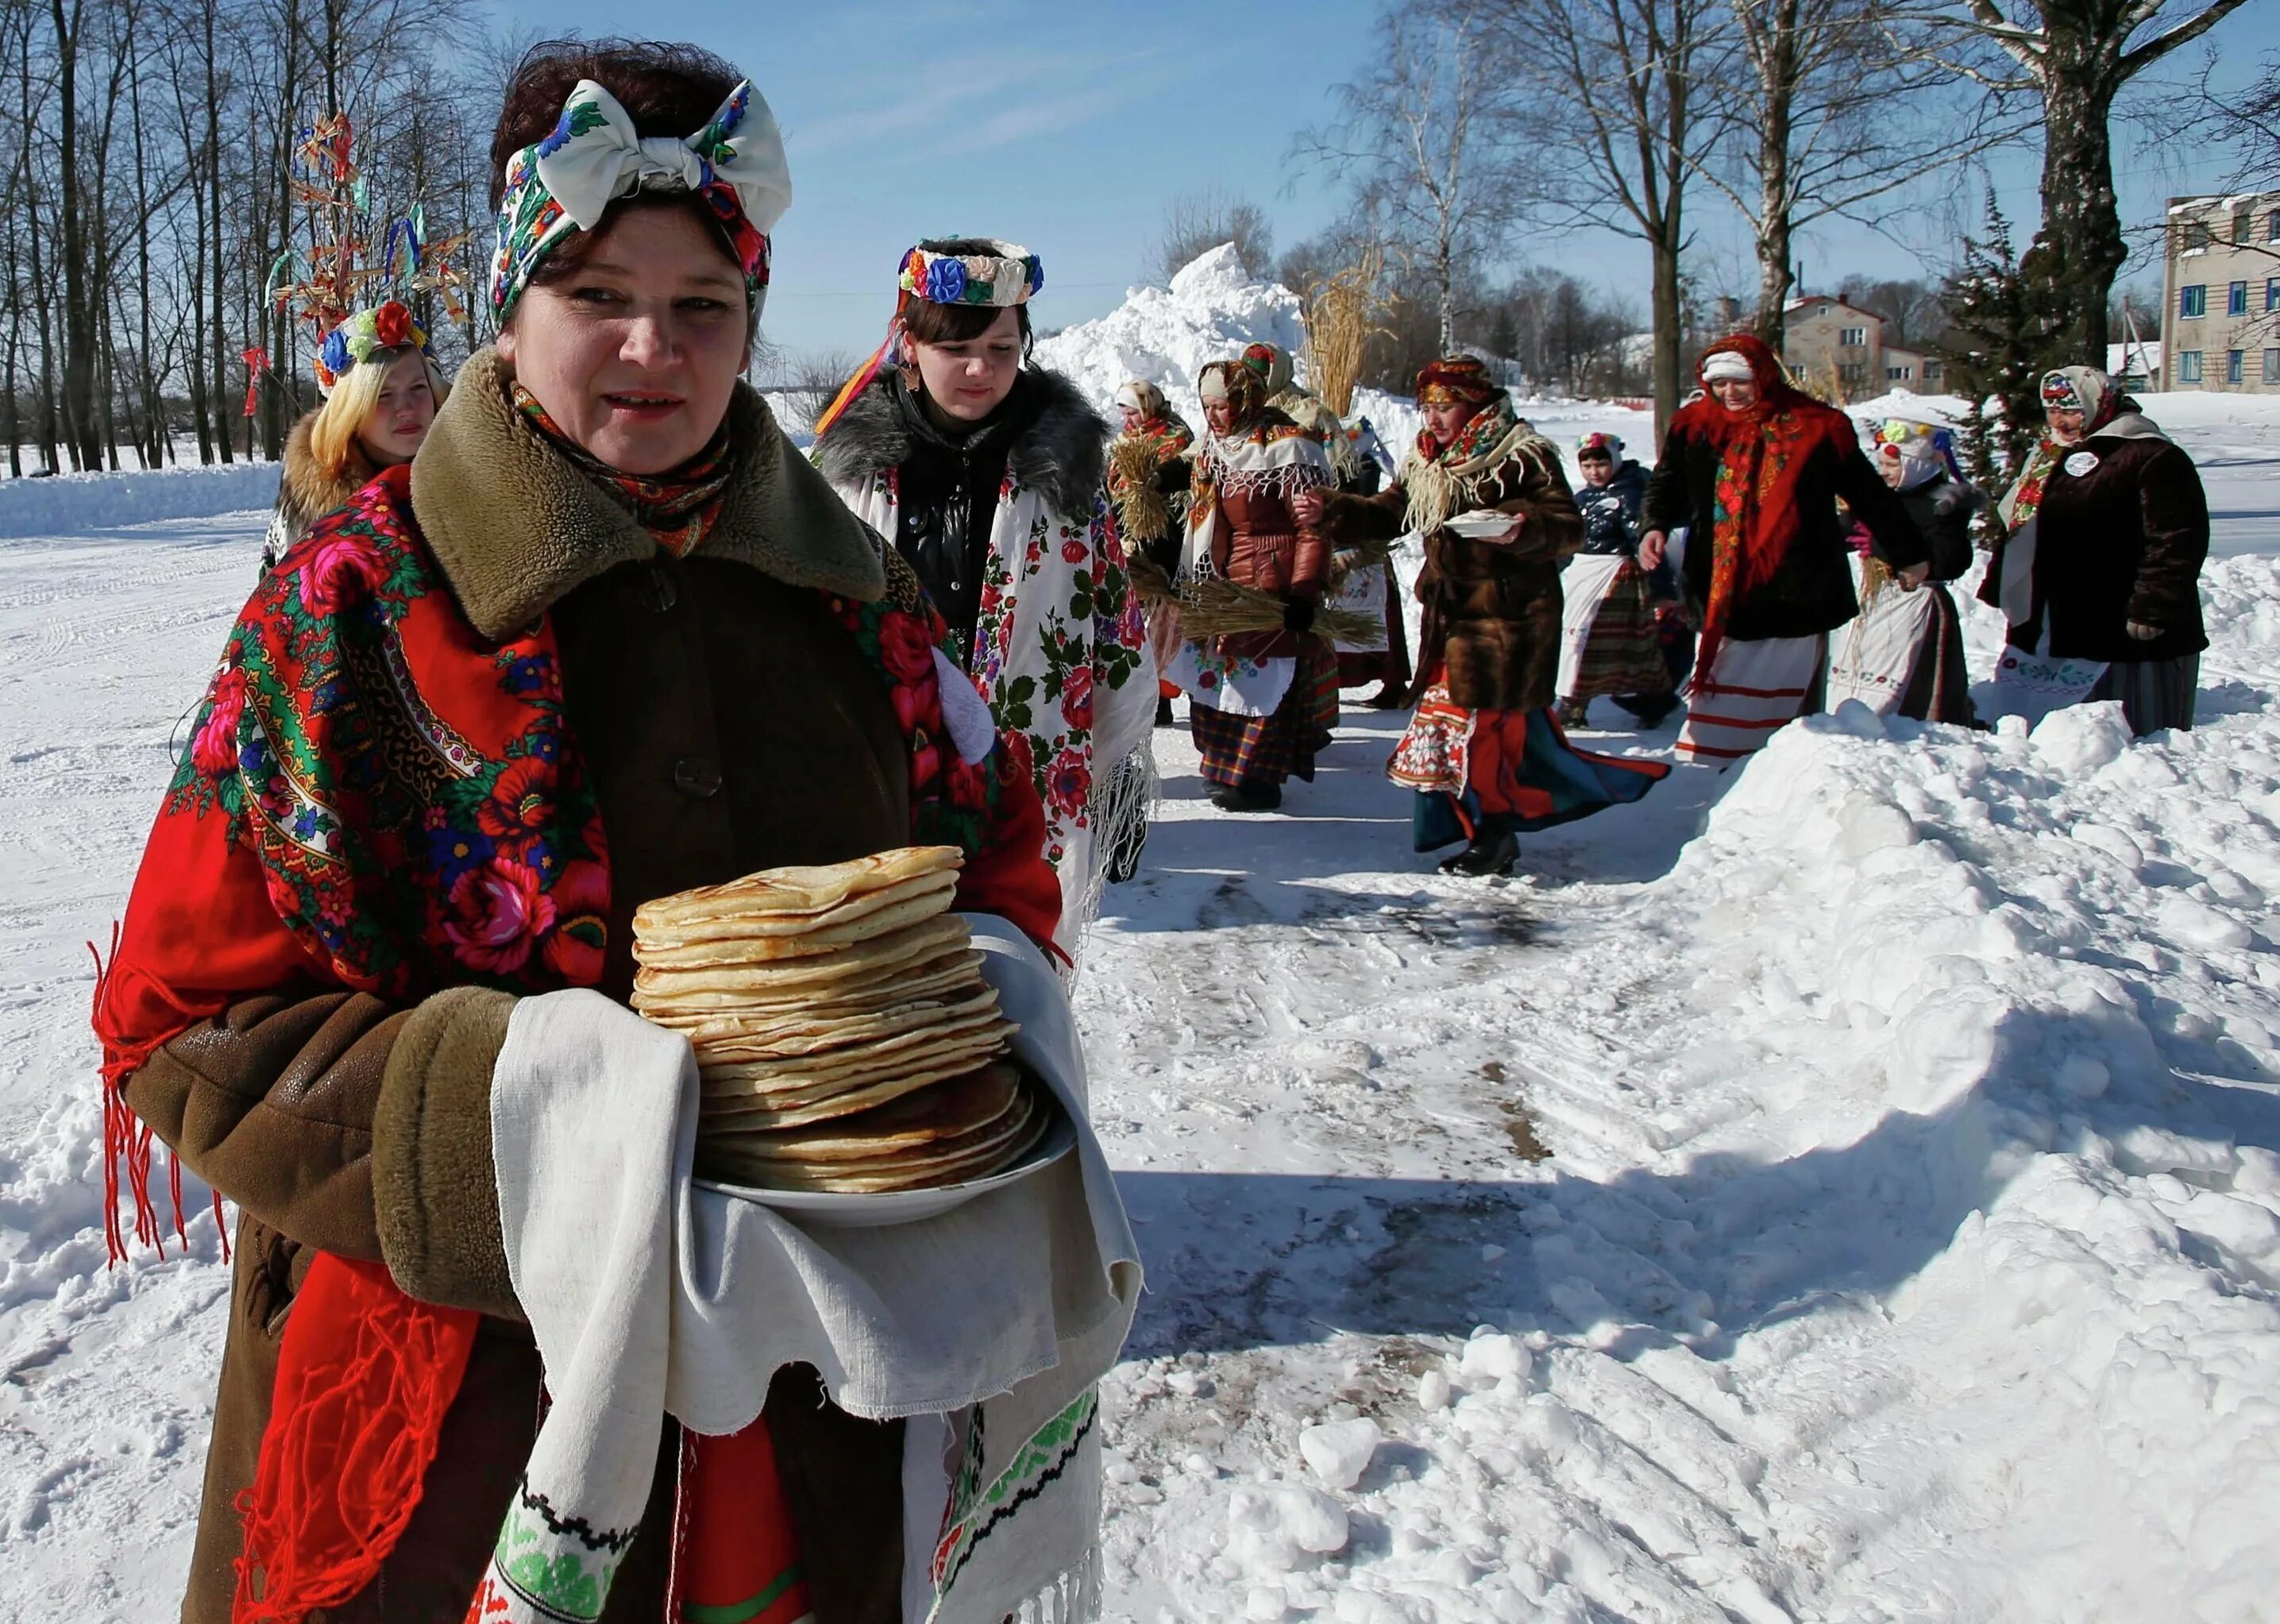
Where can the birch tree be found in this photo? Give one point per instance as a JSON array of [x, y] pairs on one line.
[[1425, 139]]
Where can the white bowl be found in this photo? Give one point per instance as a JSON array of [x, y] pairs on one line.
[[1482, 524], [835, 1210]]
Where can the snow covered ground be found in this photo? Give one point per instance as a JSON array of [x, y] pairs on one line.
[[1844, 1188]]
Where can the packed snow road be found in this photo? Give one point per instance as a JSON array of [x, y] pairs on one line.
[[1846, 1188]]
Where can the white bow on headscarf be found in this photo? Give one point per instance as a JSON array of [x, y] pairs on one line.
[[593, 157]]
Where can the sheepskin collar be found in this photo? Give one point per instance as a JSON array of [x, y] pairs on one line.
[[308, 492], [514, 527], [1060, 447]]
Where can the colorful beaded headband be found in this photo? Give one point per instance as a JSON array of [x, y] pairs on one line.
[[1004, 278], [364, 335]]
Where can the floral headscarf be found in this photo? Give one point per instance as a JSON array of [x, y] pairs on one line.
[[593, 157], [1457, 380], [1242, 388]]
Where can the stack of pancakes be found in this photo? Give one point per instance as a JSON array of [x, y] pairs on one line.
[[846, 1039]]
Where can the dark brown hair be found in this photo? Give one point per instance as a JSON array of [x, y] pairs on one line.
[[666, 89], [929, 323]]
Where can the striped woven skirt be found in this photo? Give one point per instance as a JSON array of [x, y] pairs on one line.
[[1752, 687], [1259, 752], [1609, 642]]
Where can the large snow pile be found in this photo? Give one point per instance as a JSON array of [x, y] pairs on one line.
[[1167, 335], [1213, 309], [72, 502]]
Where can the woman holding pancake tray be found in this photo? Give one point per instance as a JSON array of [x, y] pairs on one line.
[[558, 665]]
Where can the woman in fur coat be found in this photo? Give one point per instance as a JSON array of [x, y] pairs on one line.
[[382, 390], [2098, 572], [1483, 751], [989, 476]]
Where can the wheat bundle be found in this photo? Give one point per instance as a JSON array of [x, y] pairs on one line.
[[1340, 317], [1141, 509]]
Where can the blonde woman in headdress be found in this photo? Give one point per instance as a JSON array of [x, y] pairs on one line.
[[381, 388]]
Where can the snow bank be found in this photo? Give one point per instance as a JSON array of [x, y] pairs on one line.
[[71, 502], [1167, 336]]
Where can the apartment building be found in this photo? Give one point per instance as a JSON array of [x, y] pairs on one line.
[[2221, 285]]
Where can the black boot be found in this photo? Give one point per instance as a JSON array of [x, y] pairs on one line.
[[1573, 714], [1244, 798], [1490, 853], [1651, 709], [1163, 709]]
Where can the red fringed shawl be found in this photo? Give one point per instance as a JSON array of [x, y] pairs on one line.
[[375, 797], [1763, 451]]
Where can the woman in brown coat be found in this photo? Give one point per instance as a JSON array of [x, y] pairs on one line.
[[608, 636], [2099, 571], [1258, 697], [1483, 751]]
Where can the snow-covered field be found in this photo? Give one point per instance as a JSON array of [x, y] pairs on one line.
[[1844, 1188]]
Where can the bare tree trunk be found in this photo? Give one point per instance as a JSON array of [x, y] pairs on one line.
[[79, 308], [1669, 325], [2081, 248], [218, 396]]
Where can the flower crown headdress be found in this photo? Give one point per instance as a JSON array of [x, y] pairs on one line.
[[332, 283], [1006, 277]]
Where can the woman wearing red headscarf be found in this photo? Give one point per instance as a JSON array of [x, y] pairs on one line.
[[1755, 469], [1486, 492]]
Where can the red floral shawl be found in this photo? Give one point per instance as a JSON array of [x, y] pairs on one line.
[[1763, 453], [376, 798]]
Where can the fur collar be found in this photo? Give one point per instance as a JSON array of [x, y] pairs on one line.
[[514, 527], [1063, 451], [306, 493]]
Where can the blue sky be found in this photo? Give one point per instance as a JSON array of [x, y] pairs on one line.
[[1070, 126]]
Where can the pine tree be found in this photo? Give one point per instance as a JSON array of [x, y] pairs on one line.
[[1999, 345]]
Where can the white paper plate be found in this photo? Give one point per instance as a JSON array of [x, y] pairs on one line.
[[1480, 524], [833, 1210]]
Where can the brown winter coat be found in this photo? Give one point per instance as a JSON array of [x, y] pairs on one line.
[[2123, 541], [729, 724], [1492, 610], [1259, 543]]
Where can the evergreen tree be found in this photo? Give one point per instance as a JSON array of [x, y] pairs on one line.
[[1999, 343]]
